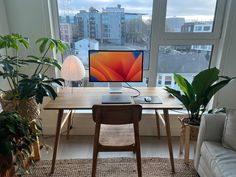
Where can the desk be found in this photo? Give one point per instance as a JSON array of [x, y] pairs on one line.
[[86, 97]]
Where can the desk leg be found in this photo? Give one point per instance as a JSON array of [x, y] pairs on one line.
[[57, 139], [158, 125], [168, 133], [69, 126]]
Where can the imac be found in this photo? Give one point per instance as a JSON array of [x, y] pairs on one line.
[[115, 67]]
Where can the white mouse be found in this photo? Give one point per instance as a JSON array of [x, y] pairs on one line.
[[147, 99]]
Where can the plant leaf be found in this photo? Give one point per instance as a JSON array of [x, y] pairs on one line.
[[204, 80], [185, 86], [183, 98]]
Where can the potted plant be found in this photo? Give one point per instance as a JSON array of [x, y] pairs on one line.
[[27, 90], [16, 137], [195, 96], [36, 84]]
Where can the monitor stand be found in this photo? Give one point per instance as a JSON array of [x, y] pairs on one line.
[[115, 87]]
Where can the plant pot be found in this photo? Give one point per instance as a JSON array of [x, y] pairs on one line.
[[27, 108], [194, 127], [189, 121], [7, 168]]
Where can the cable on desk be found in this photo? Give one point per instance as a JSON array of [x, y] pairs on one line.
[[130, 87]]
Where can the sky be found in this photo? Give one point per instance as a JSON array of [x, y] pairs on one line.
[[190, 9]]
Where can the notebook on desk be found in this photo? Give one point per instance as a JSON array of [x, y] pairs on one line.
[[116, 99]]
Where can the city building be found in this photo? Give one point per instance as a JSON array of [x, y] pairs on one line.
[[134, 27], [187, 27], [82, 47], [69, 32], [174, 24]]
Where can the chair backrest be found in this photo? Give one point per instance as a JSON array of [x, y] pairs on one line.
[[117, 114]]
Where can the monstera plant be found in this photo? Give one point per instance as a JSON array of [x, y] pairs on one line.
[[195, 96]]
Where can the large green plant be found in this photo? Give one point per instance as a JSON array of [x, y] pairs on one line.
[[196, 96], [16, 137], [37, 83]]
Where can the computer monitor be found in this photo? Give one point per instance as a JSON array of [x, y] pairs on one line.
[[115, 66]]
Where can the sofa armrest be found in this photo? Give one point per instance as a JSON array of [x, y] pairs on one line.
[[211, 129]]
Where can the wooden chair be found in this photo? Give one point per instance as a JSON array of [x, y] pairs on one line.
[[117, 130]]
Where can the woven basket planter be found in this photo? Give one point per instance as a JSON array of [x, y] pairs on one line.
[[27, 108]]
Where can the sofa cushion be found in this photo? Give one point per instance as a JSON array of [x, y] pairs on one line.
[[220, 160], [229, 134]]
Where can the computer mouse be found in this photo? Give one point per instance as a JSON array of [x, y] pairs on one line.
[[147, 99]]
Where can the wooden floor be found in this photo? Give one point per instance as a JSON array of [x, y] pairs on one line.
[[80, 147]]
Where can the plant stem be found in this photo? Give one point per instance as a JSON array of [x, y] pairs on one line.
[[202, 112], [17, 71], [41, 60], [9, 83], [46, 69]]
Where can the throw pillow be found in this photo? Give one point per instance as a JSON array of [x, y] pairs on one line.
[[229, 134]]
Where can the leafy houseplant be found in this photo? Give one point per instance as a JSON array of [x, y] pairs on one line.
[[38, 84], [28, 90], [196, 96], [16, 137]]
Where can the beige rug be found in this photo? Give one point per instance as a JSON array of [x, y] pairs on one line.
[[115, 167]]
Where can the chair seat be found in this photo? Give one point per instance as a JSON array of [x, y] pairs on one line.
[[116, 135]]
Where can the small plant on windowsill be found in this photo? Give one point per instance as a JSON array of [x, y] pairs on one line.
[[196, 96]]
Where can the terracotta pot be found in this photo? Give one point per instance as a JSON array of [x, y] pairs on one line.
[[7, 168], [27, 108]]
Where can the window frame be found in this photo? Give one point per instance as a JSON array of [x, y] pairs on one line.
[[159, 37]]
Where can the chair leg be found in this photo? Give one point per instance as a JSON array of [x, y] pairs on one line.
[[94, 167], [139, 166], [95, 149], [137, 147]]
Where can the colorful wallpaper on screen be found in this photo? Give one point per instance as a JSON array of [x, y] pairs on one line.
[[115, 66]]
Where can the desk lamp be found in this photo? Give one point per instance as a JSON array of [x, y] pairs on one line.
[[72, 69]]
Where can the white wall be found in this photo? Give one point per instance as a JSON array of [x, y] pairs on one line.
[[227, 58], [3, 31], [31, 19], [3, 19]]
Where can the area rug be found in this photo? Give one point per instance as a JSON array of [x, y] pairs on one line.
[[114, 167]]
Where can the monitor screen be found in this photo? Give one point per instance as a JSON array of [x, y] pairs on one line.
[[115, 66]]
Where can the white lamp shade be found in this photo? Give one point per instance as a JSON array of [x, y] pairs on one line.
[[72, 69]]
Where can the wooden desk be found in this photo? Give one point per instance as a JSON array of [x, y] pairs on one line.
[[86, 97]]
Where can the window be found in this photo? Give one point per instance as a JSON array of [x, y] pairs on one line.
[[182, 15], [105, 26], [186, 60], [176, 36], [186, 37]]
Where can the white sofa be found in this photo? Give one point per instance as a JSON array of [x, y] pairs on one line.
[[212, 159]]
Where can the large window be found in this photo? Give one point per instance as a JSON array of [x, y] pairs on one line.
[[177, 36], [115, 25]]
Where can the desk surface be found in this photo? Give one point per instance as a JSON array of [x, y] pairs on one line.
[[86, 97]]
